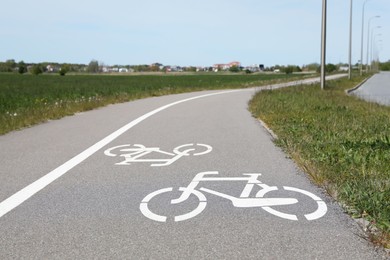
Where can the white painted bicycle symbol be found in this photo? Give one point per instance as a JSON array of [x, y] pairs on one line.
[[244, 201], [138, 153]]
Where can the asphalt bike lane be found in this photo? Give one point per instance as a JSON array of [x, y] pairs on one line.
[[245, 198]]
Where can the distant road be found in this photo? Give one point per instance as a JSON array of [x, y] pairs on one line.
[[376, 89]]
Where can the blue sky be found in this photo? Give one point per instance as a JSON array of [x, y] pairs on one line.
[[186, 32]]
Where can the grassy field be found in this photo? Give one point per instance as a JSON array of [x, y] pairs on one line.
[[341, 141], [26, 100]]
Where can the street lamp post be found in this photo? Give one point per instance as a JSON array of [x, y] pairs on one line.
[[373, 38], [368, 39], [350, 43], [370, 52], [323, 44], [361, 44], [377, 51]]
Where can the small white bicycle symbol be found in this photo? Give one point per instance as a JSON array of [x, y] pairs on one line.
[[244, 201], [139, 153]]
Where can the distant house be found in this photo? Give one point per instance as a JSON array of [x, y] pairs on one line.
[[108, 69], [51, 68], [234, 63], [255, 68], [218, 67], [156, 64], [176, 68], [344, 68]]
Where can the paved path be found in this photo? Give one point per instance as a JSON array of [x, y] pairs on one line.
[[376, 89], [105, 184]]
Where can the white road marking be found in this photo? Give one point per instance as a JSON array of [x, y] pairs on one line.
[[244, 201], [149, 214], [280, 214], [137, 153], [202, 205], [18, 198], [144, 205], [322, 208]]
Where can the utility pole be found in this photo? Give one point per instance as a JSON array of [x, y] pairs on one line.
[[323, 44]]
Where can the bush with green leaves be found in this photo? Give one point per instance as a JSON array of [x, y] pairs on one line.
[[63, 70], [36, 69], [22, 67]]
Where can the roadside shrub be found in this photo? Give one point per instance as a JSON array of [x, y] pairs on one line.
[[22, 68], [64, 69], [234, 69], [36, 69]]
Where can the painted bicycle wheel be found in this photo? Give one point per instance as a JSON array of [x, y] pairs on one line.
[[193, 149], [160, 218], [318, 213]]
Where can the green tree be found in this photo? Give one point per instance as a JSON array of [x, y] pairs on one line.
[[234, 68], [11, 64], [330, 67], [64, 69], [190, 69], [288, 69], [36, 69], [312, 67], [385, 66], [7, 66], [22, 67], [93, 66], [140, 68], [3, 67]]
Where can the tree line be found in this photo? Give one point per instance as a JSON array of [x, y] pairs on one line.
[[39, 68], [385, 66], [97, 67]]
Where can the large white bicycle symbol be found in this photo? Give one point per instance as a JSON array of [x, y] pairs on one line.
[[139, 153], [244, 201]]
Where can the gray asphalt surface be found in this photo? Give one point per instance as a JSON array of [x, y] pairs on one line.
[[93, 210], [376, 89]]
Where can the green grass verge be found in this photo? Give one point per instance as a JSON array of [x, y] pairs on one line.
[[26, 100], [341, 141]]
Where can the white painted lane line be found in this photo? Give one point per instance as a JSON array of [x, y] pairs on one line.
[[18, 198]]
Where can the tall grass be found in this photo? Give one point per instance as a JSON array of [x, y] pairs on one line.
[[341, 141], [27, 100]]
